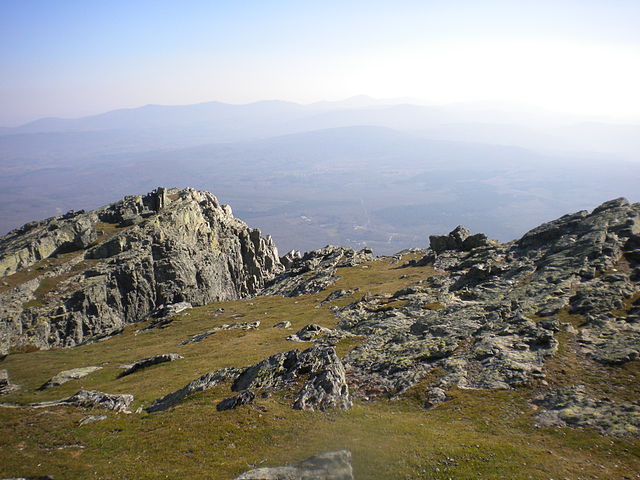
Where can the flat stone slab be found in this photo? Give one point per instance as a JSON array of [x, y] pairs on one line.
[[68, 375]]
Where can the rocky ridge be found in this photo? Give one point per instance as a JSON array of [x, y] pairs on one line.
[[489, 317], [70, 278]]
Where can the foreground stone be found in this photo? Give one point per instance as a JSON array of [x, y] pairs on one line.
[[205, 382], [147, 362], [326, 466], [68, 375]]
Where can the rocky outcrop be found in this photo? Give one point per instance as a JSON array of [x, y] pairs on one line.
[[326, 466], [118, 402], [200, 384], [148, 362], [68, 375], [318, 334], [316, 270], [573, 407], [325, 385], [488, 318], [459, 239], [326, 388], [164, 248]]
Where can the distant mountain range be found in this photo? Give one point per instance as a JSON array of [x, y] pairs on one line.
[[357, 172]]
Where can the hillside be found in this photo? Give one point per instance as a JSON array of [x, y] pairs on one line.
[[193, 351]]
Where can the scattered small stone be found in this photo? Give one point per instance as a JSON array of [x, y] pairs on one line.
[[91, 419], [283, 324]]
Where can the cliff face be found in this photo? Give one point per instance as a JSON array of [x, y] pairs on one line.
[[69, 278]]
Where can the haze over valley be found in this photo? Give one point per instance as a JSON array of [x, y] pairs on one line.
[[361, 172]]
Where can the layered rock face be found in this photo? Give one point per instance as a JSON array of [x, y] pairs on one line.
[[106, 268]]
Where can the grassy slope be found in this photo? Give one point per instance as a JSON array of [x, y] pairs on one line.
[[478, 434]]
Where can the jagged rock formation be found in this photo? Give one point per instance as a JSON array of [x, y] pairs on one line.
[[148, 362], [124, 261], [68, 375], [315, 270], [325, 386], [487, 321], [326, 466]]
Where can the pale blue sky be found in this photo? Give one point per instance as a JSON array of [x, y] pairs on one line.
[[71, 58]]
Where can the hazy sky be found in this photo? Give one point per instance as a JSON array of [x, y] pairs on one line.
[[71, 58]]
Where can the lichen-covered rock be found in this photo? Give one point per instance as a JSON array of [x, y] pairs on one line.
[[478, 322], [68, 375], [178, 246], [24, 246], [325, 386], [118, 402], [326, 466], [147, 362], [573, 407], [283, 324]]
